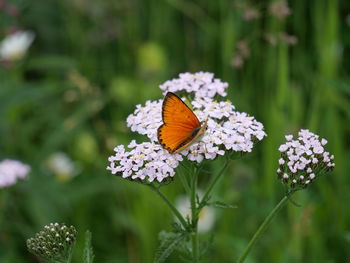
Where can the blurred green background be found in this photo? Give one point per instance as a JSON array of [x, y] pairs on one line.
[[91, 62]]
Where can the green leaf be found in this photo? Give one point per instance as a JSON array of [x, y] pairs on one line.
[[221, 205], [88, 256], [169, 242]]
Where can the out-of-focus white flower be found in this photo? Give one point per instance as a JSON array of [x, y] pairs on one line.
[[227, 131], [251, 13], [280, 9], [61, 166], [15, 46], [303, 159], [202, 84], [11, 171], [206, 217]]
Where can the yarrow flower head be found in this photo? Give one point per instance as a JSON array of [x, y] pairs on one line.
[[11, 171], [202, 84], [303, 159], [227, 131], [54, 242]]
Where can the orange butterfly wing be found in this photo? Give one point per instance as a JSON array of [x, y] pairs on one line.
[[180, 126]]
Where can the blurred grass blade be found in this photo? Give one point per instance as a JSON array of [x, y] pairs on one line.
[[88, 251]]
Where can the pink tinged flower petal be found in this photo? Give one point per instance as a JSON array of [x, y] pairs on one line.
[[283, 148], [289, 137]]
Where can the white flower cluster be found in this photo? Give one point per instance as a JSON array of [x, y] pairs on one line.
[[146, 120], [203, 84], [227, 130], [145, 161], [303, 159], [11, 171]]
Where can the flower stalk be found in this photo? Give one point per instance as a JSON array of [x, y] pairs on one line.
[[262, 228], [213, 183], [170, 205], [194, 235]]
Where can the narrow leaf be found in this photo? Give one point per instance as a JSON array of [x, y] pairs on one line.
[[221, 205]]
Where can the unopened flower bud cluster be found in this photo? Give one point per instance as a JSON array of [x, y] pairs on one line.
[[303, 159], [54, 242]]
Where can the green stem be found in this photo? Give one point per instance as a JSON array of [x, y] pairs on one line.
[[194, 235], [262, 228], [184, 181], [213, 183], [175, 211]]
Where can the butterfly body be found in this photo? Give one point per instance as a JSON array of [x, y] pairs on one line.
[[181, 126]]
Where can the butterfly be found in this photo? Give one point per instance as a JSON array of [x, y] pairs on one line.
[[180, 127]]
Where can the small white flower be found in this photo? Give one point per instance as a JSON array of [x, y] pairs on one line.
[[11, 171], [15, 46], [289, 137], [206, 217], [283, 148]]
